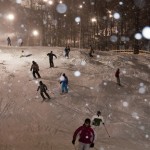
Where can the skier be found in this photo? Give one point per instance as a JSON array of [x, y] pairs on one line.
[[35, 69], [9, 41], [66, 78], [64, 82], [43, 89], [68, 50], [97, 119], [51, 58], [91, 51], [86, 136], [117, 75]]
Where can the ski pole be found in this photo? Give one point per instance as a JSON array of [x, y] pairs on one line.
[[106, 130]]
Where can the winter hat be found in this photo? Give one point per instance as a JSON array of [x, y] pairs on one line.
[[87, 121], [98, 113]]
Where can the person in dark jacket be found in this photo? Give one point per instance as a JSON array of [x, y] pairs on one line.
[[91, 51], [86, 136], [43, 88], [51, 55], [117, 75], [66, 78], [9, 41], [35, 69]]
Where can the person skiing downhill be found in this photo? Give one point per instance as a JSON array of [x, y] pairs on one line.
[[64, 82], [35, 69], [97, 119], [51, 55], [117, 75], [86, 136], [43, 88]]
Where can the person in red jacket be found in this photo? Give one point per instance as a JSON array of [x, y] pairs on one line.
[[117, 75], [86, 136]]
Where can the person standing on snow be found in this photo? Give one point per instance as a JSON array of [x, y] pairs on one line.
[[117, 75], [68, 51], [86, 136], [9, 41], [97, 119], [43, 89], [66, 78], [51, 55], [35, 69], [91, 51], [64, 83]]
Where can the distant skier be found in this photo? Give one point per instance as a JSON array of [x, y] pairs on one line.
[[86, 136], [35, 68], [97, 119], [117, 75], [64, 83], [51, 55], [9, 41], [43, 89], [91, 51], [68, 51]]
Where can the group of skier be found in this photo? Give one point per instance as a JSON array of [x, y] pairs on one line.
[[86, 132], [42, 87]]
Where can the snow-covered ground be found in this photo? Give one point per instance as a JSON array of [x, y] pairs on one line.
[[28, 124]]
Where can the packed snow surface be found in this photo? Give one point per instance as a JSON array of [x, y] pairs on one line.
[[27, 123]]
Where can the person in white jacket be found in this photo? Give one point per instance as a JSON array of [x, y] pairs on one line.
[[97, 119]]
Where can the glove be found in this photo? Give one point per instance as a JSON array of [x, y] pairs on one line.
[[92, 145], [73, 142]]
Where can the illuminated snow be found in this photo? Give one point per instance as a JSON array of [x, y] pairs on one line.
[[125, 104], [113, 38], [142, 90], [61, 8], [141, 84], [77, 19], [19, 1], [116, 15], [77, 73], [146, 32], [135, 115], [147, 136], [83, 62], [138, 36]]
